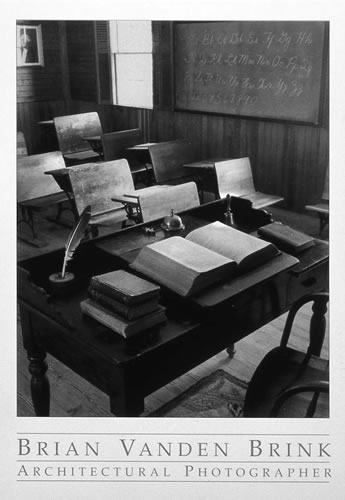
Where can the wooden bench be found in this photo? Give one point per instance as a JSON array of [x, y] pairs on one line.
[[235, 177], [155, 202], [167, 160], [71, 131], [322, 208], [35, 190], [114, 146]]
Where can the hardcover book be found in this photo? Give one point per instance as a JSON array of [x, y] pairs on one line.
[[129, 312], [208, 255], [125, 287], [120, 325], [286, 238]]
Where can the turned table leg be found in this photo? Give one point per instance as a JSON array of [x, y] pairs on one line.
[[231, 351], [318, 326], [40, 390]]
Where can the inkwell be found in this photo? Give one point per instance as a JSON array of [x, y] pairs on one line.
[[228, 215], [63, 282]]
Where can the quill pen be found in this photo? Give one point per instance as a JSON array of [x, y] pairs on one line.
[[75, 237]]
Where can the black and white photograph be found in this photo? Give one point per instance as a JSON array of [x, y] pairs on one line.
[[175, 326], [29, 45]]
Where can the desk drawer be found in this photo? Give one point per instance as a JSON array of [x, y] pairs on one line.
[[310, 281]]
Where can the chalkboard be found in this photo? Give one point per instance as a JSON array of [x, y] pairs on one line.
[[266, 69]]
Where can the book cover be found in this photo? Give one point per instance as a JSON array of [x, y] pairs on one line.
[[286, 238], [125, 287], [129, 312], [118, 324]]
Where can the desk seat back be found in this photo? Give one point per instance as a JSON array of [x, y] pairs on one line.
[[234, 177], [168, 158], [157, 201], [71, 129], [325, 194], [21, 145], [115, 143], [32, 182], [95, 183]]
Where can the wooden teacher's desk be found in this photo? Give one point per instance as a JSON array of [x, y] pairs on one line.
[[196, 329]]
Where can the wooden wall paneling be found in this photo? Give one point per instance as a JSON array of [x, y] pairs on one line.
[[65, 74], [232, 140], [252, 151], [303, 171], [294, 179], [82, 60], [164, 125], [286, 164], [269, 157]]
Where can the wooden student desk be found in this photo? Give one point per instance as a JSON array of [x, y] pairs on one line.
[[196, 329], [207, 172], [95, 142]]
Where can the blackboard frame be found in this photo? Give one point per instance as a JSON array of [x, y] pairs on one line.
[[323, 59]]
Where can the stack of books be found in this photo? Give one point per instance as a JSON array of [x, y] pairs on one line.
[[124, 302]]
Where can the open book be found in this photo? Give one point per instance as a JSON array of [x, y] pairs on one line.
[[208, 255]]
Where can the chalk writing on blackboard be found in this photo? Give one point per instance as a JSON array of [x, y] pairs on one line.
[[266, 69]]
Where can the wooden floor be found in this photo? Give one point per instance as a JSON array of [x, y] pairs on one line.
[[73, 396]]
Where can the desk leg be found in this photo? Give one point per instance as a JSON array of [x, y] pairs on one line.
[[318, 327], [323, 222], [231, 351], [39, 384], [40, 390], [125, 398], [126, 407]]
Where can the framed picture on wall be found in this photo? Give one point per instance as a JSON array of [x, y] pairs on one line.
[[29, 45]]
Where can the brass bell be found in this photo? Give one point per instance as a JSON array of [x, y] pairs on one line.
[[172, 222]]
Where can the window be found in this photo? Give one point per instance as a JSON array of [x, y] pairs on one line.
[[131, 56]]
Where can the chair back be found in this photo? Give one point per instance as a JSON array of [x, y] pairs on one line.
[[32, 182], [21, 145], [115, 143], [71, 129], [291, 382], [168, 158], [158, 201], [325, 194], [95, 183], [234, 177]]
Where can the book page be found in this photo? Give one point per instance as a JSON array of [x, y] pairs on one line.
[[244, 249], [182, 265]]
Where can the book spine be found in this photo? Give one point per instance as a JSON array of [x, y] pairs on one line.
[[108, 319], [129, 312], [121, 296], [120, 325]]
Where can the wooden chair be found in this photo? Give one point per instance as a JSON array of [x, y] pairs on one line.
[[322, 208], [167, 160], [235, 177], [71, 131], [21, 145], [155, 202], [36, 190], [114, 146], [288, 382]]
